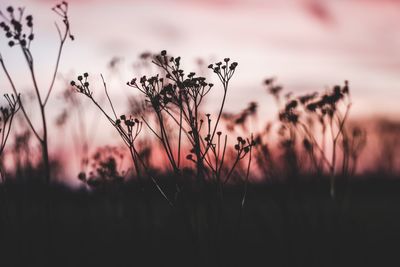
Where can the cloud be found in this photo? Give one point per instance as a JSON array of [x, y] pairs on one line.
[[319, 10]]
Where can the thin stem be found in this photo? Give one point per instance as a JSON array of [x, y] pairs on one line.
[[108, 97], [17, 93], [60, 49], [247, 177]]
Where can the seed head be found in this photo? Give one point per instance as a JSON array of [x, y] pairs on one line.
[[233, 66], [268, 81], [82, 176], [346, 87]]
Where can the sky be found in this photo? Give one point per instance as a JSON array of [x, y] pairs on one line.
[[307, 45]]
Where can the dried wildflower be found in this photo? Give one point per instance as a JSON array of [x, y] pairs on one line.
[[312, 107], [82, 176], [291, 105], [289, 116], [307, 98], [6, 118], [268, 81]]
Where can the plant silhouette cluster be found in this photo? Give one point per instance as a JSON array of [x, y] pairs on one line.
[[18, 28], [176, 98], [7, 114], [105, 171], [204, 154], [318, 124], [312, 125]]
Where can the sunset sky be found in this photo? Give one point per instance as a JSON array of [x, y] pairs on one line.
[[308, 45]]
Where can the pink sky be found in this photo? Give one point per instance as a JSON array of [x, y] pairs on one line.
[[307, 44]]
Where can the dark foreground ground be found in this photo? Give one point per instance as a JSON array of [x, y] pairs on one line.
[[280, 226]]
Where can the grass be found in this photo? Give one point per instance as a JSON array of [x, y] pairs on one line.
[[7, 114], [204, 208], [280, 227], [18, 28]]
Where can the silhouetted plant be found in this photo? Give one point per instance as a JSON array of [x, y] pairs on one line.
[[104, 168], [179, 97], [330, 110], [176, 97], [352, 146], [241, 118], [7, 114], [83, 128], [387, 156], [312, 131], [18, 29], [127, 127]]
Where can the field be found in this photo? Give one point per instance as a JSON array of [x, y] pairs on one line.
[[280, 226], [171, 173]]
